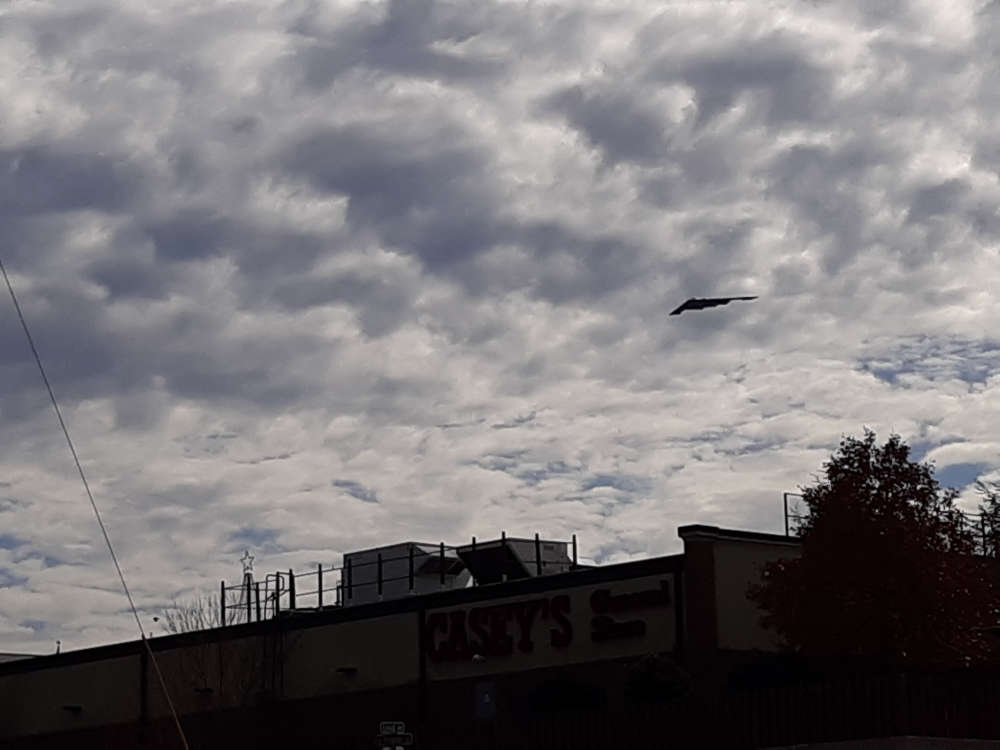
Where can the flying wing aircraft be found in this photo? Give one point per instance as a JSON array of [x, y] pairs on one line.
[[700, 303]]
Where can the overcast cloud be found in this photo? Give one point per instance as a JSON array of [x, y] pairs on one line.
[[314, 276]]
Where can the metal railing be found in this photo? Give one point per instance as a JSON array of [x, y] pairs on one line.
[[331, 587]]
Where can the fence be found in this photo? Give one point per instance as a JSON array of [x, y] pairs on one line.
[[986, 529], [325, 587]]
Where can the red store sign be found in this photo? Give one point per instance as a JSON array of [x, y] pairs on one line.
[[522, 626]]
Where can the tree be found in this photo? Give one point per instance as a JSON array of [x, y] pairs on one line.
[[888, 567], [203, 613], [189, 616], [989, 512]]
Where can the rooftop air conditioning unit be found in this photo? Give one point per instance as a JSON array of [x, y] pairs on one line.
[[510, 558], [432, 571]]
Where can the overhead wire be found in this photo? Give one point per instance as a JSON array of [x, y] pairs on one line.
[[90, 497]]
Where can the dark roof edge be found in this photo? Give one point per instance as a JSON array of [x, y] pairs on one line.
[[715, 532]]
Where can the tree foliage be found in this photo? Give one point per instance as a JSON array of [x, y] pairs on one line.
[[888, 568], [989, 512], [203, 613], [200, 613]]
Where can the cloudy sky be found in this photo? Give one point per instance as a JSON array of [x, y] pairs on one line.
[[310, 276]]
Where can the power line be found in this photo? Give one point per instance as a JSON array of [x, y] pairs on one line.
[[90, 497]]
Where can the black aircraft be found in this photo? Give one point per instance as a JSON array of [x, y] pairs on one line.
[[699, 303]]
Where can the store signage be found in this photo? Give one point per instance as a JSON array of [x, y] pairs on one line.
[[499, 629], [526, 626], [607, 608]]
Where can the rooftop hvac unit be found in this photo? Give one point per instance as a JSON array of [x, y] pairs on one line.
[[510, 558], [432, 571]]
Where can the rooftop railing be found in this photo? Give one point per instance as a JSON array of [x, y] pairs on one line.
[[326, 587]]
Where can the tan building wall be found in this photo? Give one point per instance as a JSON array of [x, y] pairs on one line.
[[720, 567], [737, 565]]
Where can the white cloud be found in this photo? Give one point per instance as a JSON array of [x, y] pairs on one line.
[[327, 275]]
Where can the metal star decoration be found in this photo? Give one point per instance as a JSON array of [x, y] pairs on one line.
[[247, 561]]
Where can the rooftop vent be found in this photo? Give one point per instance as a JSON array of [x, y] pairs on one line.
[[510, 558], [384, 572]]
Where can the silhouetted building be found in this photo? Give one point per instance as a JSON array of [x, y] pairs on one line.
[[540, 652]]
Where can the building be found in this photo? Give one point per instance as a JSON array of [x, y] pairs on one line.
[[506, 643]]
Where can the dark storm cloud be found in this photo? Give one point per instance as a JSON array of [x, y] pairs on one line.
[[944, 198], [401, 41], [782, 85], [35, 180], [129, 277], [424, 193], [615, 121], [189, 234], [261, 251], [434, 197], [89, 352], [601, 262], [248, 368], [420, 39], [720, 255], [65, 323], [821, 185], [693, 171], [382, 304]]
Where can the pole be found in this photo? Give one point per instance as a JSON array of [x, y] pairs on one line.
[[257, 590], [350, 579], [784, 496], [411, 567], [442, 564], [319, 583], [378, 560], [474, 581], [538, 555], [291, 589], [249, 599], [222, 603]]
